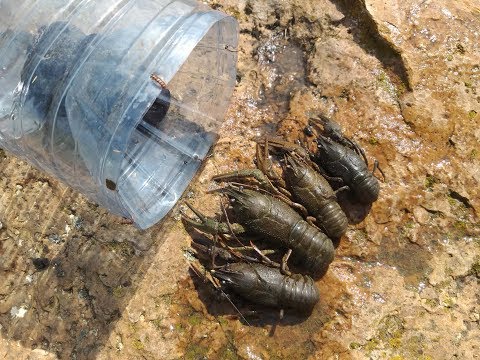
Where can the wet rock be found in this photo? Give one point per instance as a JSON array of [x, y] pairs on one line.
[[421, 215]]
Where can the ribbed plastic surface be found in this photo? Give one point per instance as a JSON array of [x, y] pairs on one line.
[[76, 89]]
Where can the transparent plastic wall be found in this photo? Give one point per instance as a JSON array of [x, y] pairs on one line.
[[77, 98]]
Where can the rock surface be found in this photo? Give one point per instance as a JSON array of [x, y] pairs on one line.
[[403, 80]]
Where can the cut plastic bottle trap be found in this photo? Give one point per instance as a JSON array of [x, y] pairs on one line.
[[118, 99]]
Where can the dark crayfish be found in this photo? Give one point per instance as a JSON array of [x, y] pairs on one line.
[[309, 188], [346, 160], [268, 286], [257, 282], [263, 215], [333, 131]]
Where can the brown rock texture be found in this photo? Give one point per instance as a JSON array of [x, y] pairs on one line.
[[403, 80]]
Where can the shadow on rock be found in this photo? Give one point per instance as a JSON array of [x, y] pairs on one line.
[[365, 33], [61, 292], [356, 212]]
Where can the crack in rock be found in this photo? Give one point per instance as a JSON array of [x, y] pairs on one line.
[[366, 33]]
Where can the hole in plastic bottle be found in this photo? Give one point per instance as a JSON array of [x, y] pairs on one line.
[[110, 184]]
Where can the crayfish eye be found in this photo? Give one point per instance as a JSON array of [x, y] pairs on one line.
[[308, 130]]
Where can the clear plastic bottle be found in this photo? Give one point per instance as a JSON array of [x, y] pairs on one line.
[[78, 99]]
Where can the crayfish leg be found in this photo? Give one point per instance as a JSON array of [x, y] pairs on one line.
[[311, 220], [376, 166], [242, 174], [262, 157], [280, 147], [333, 178], [257, 174], [359, 150], [264, 257], [298, 207], [265, 165], [284, 266], [343, 188]]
